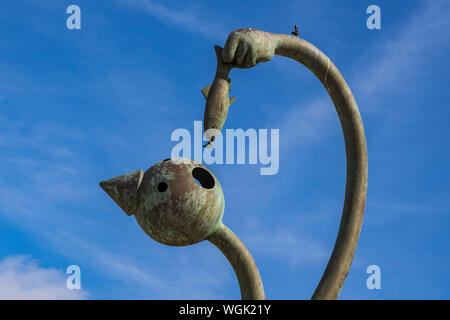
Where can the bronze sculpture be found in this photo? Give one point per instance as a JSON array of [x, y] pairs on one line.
[[191, 220]]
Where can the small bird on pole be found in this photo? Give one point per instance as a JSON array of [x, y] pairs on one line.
[[296, 32]]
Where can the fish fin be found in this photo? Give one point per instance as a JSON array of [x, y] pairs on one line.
[[232, 99], [205, 91]]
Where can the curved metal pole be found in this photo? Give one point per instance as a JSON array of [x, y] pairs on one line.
[[243, 264], [262, 47], [356, 153]]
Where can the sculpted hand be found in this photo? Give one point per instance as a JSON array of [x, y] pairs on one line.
[[246, 47]]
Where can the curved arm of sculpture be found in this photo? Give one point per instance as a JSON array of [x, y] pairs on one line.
[[242, 262], [244, 49], [356, 153]]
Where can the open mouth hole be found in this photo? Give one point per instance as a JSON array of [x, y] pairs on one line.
[[203, 178]]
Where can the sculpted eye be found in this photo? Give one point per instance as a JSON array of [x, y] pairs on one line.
[[203, 178], [162, 186]]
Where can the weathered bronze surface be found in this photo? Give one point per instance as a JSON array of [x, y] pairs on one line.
[[175, 210], [247, 47], [242, 262], [179, 202], [218, 97], [123, 190]]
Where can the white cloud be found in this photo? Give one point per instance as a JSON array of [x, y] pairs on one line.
[[22, 279], [45, 176]]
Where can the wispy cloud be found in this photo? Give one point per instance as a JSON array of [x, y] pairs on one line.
[[287, 245], [192, 16], [22, 278], [399, 57], [47, 174], [394, 63], [398, 60], [40, 171], [39, 165], [306, 124], [43, 174], [383, 211], [163, 279]]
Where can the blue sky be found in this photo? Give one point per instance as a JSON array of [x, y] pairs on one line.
[[81, 106]]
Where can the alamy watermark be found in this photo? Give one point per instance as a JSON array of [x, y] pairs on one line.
[[374, 280], [374, 20], [74, 20], [230, 152], [74, 280]]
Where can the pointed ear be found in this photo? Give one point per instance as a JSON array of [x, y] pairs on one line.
[[123, 190]]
